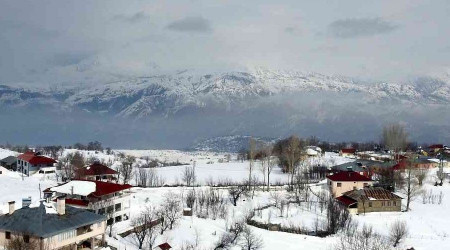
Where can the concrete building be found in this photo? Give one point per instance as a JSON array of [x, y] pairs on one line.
[[105, 198], [52, 226], [344, 181]]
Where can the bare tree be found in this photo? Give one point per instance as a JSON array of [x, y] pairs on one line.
[[141, 177], [236, 192], [172, 209], [292, 154], [24, 242], [263, 169], [420, 175], [144, 227], [250, 241], [409, 185], [271, 162], [189, 176], [251, 155], [125, 169], [366, 239], [229, 238], [397, 232], [337, 216], [394, 137]]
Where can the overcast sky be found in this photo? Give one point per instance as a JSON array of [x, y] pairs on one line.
[[94, 41]]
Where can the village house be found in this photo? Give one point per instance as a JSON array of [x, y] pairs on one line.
[[344, 181], [363, 167], [98, 172], [105, 198], [52, 226], [347, 152], [370, 199], [32, 162], [9, 163], [416, 162]]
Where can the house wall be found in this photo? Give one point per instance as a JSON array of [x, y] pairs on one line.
[[346, 186], [380, 206], [56, 242], [111, 201], [29, 169]]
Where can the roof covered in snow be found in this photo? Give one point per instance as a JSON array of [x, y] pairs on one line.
[[89, 188], [83, 188]]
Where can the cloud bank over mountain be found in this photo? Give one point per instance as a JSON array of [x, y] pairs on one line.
[[163, 73]]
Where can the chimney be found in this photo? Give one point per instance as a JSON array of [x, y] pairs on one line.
[[12, 207], [61, 205]]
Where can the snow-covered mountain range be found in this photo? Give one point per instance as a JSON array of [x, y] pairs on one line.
[[168, 95]]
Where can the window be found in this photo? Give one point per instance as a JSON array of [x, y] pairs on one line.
[[382, 203], [26, 238], [370, 204], [389, 203], [366, 184], [339, 184], [394, 203], [7, 235]]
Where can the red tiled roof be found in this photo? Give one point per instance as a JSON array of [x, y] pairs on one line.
[[104, 188], [348, 176], [97, 169], [436, 146], [346, 200], [348, 150], [165, 246], [35, 159], [76, 202]]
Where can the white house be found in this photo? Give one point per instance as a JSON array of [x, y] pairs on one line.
[[105, 198]]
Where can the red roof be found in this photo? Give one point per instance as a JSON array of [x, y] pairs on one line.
[[434, 146], [346, 200], [76, 202], [348, 150], [348, 176], [104, 188], [165, 246], [35, 158], [97, 169]]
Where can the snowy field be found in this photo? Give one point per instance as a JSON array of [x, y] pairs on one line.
[[428, 223]]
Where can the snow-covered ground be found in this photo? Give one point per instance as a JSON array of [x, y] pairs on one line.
[[427, 223]]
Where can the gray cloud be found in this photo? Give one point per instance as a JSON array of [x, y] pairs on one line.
[[190, 24], [135, 18], [360, 27], [66, 59]]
